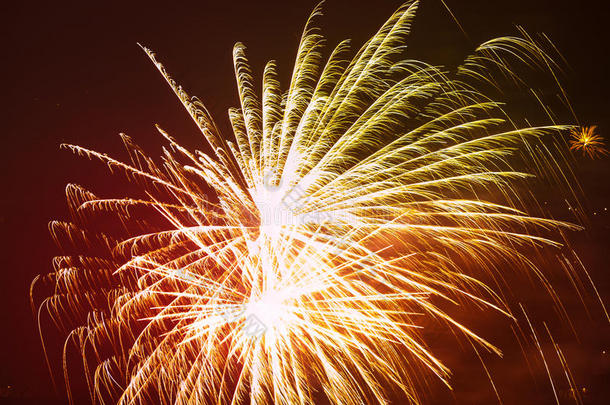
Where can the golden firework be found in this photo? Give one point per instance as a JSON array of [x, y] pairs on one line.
[[585, 139], [297, 260]]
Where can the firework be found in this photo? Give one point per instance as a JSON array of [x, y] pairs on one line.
[[585, 139], [344, 213]]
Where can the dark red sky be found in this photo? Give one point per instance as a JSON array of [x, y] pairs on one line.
[[73, 73]]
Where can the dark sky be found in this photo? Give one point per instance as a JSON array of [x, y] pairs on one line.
[[73, 73]]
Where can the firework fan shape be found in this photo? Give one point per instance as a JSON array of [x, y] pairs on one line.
[[345, 212]]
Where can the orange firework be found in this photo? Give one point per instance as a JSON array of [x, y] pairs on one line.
[[587, 141], [295, 261]]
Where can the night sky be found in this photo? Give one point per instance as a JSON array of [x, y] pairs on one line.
[[73, 73]]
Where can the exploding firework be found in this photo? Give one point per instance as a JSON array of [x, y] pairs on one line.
[[300, 258], [585, 139]]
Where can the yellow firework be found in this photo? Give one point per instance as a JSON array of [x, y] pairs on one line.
[[299, 260], [585, 139]]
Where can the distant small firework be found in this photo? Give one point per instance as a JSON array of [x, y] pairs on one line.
[[585, 139], [299, 260]]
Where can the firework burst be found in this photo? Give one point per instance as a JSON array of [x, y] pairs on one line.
[[344, 212], [585, 139]]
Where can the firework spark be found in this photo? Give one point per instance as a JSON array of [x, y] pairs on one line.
[[585, 139], [346, 210]]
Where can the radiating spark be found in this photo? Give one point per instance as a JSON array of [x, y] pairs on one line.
[[343, 213], [585, 140]]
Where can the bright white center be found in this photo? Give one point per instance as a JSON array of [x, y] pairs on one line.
[[270, 310]]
